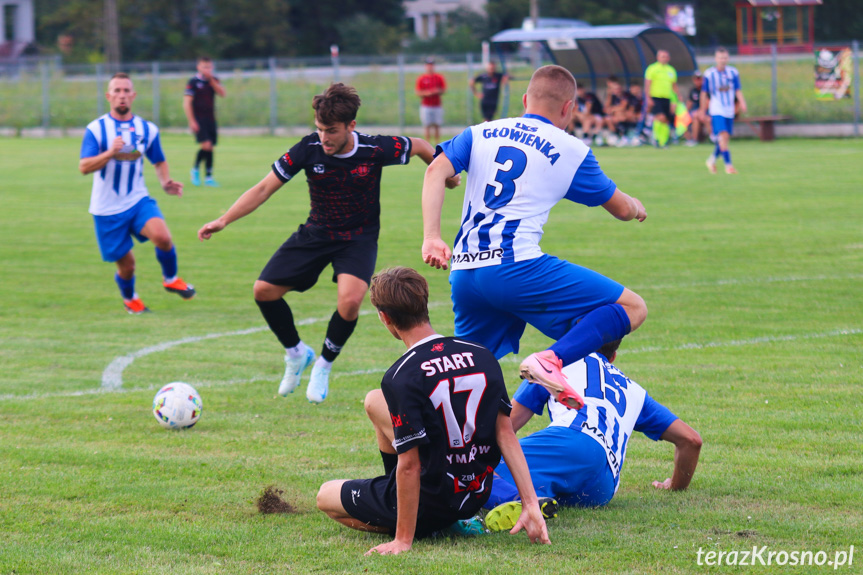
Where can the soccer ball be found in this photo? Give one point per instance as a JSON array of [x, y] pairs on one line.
[[177, 406]]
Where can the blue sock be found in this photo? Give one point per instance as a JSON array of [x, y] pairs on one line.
[[602, 325], [726, 155], [168, 261], [127, 287], [716, 151]]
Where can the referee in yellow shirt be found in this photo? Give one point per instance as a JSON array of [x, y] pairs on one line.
[[660, 85]]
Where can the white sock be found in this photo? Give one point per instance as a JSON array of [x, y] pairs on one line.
[[170, 280], [321, 363], [298, 350]]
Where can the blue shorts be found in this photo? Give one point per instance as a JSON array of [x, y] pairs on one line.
[[722, 124], [114, 233], [565, 464], [493, 304]]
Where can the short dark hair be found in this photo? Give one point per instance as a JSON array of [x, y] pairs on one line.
[[613, 79], [339, 104], [204, 59], [120, 76], [610, 348], [403, 294], [721, 50]]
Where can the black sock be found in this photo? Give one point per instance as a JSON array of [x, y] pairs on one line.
[[281, 321], [199, 158], [338, 333], [391, 461], [208, 158]]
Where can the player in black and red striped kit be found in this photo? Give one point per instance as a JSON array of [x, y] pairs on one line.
[[446, 416], [199, 105], [343, 170]]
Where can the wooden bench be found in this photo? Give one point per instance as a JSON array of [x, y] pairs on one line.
[[764, 125]]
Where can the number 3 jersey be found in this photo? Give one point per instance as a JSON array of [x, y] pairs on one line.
[[518, 168], [614, 407], [444, 396]]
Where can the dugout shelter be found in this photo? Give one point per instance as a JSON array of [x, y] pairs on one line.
[[593, 53]]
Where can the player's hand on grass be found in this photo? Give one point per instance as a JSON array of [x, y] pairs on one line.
[[454, 181], [663, 484], [173, 188], [533, 523], [391, 548], [207, 231], [436, 253]]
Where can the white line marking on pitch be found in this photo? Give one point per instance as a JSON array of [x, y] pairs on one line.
[[339, 375], [112, 376]]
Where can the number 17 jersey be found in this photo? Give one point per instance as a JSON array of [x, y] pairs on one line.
[[518, 168], [444, 396]]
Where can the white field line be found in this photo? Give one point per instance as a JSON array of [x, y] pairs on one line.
[[112, 376], [508, 359]]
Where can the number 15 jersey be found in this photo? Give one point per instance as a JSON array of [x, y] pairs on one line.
[[518, 168]]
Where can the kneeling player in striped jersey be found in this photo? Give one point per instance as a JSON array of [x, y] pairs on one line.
[[615, 406], [442, 423]]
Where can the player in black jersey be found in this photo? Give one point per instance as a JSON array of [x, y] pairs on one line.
[[343, 170], [442, 428], [199, 104]]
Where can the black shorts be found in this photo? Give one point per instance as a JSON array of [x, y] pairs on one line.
[[662, 106], [207, 130], [488, 109], [373, 501], [300, 260]]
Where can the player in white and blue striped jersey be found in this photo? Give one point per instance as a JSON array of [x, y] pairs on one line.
[[519, 168], [721, 95], [113, 149], [578, 458]]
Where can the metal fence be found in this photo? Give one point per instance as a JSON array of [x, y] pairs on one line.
[[276, 93]]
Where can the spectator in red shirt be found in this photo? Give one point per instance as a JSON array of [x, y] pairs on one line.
[[430, 87]]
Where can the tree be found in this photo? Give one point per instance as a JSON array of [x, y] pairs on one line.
[[364, 34]]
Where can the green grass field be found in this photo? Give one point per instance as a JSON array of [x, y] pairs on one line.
[[754, 337]]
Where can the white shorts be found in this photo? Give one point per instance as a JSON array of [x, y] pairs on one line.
[[431, 115]]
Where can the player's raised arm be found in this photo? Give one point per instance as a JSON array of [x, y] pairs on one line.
[[425, 151], [245, 205], [625, 207], [531, 519], [94, 163], [687, 448], [217, 86], [435, 251]]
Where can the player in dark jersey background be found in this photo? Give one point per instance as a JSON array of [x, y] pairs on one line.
[[489, 83], [343, 170], [199, 104], [441, 430]]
